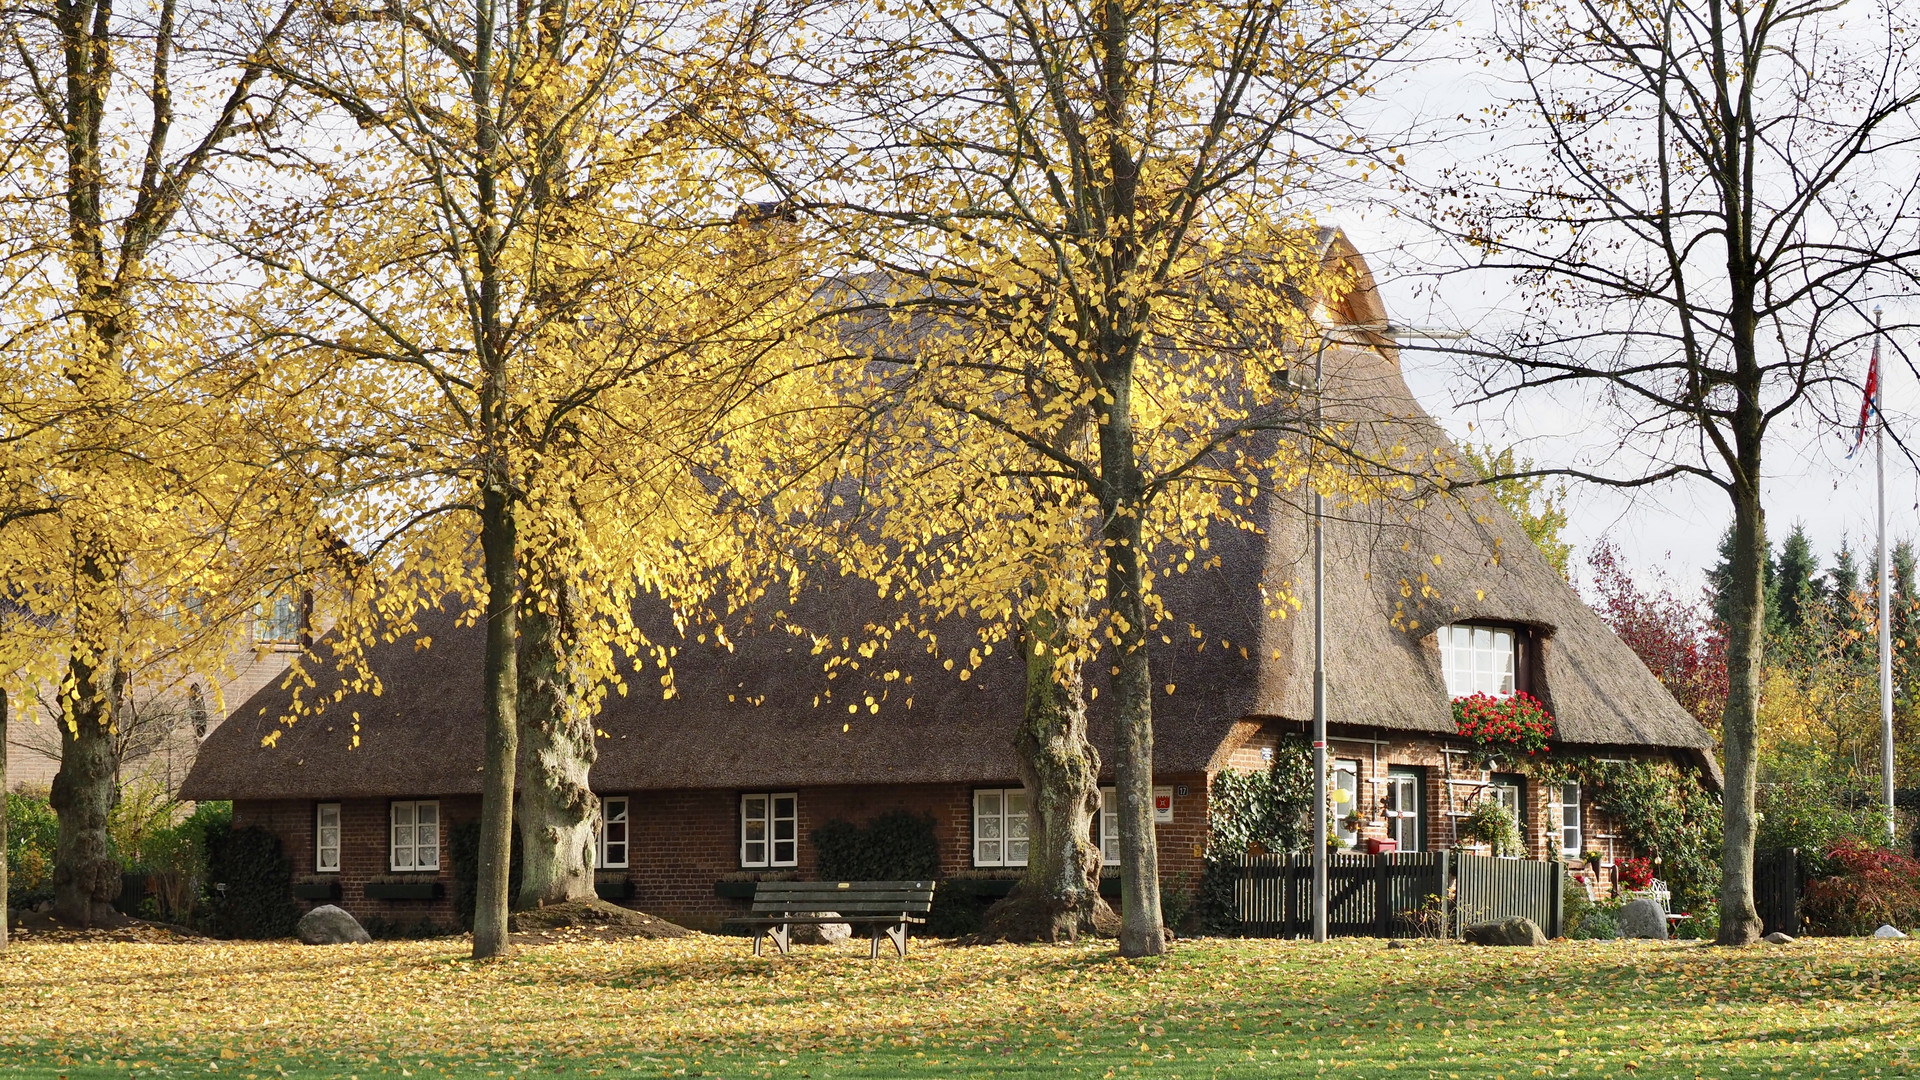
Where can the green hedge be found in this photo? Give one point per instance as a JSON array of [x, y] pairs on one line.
[[896, 846], [32, 832], [463, 851], [250, 883]]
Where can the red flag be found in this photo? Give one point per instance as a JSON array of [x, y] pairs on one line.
[[1870, 403]]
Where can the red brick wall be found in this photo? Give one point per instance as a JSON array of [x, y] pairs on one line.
[[363, 852]]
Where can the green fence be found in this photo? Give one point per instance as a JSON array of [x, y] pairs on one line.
[[1410, 894]]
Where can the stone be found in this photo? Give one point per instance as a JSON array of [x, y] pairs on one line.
[[1642, 918], [833, 933], [329, 925], [1518, 930], [1778, 938], [1888, 933]]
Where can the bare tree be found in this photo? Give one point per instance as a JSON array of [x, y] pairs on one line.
[[1712, 195]]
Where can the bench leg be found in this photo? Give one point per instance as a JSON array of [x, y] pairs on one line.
[[758, 931], [779, 936], [898, 935]]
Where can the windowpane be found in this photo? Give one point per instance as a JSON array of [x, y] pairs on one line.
[[326, 841], [1570, 820], [1016, 803], [612, 848], [1346, 778], [1477, 660], [1109, 826]]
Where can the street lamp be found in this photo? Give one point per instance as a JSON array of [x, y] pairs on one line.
[[1394, 332]]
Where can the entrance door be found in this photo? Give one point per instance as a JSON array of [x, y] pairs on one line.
[[1403, 809]]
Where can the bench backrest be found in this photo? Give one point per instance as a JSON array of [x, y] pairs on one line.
[[849, 898]]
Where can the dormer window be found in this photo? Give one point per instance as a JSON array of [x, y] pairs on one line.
[[1479, 659], [283, 618]]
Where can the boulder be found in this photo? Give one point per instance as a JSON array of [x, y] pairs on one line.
[[833, 933], [1518, 930], [329, 925], [1642, 919], [1888, 933], [1778, 938]]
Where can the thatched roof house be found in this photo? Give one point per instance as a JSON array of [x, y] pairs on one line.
[[762, 720]]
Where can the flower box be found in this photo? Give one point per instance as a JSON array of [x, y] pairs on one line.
[[404, 890]]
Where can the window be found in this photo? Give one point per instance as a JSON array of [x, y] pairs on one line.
[[1510, 791], [1346, 781], [770, 830], [415, 836], [1403, 797], [281, 619], [326, 838], [197, 712], [1000, 827], [1570, 820], [610, 850], [1106, 827], [1477, 660]]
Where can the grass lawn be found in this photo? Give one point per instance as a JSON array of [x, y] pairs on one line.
[[703, 1006]]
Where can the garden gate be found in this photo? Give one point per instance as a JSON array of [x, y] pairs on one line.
[[1491, 889], [1398, 894]]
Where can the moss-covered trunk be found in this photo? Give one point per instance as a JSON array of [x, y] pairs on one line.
[[1058, 899], [86, 879], [3, 813], [558, 811]]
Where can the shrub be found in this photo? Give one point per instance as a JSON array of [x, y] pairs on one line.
[[383, 929], [1636, 872], [1802, 807], [896, 846], [1663, 812], [1270, 808], [32, 832], [463, 852], [250, 894], [1870, 887]]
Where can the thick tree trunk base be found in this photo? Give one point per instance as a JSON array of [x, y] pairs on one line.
[[1024, 918], [86, 879]]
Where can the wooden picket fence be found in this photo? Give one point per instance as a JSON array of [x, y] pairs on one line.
[[1397, 894]]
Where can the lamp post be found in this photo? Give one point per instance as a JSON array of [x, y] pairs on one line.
[[1393, 332]]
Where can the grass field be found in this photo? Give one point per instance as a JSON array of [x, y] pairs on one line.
[[703, 1006]]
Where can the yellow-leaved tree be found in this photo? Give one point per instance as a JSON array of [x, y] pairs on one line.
[[1080, 267], [512, 289], [141, 520]]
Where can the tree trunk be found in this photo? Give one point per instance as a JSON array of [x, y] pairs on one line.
[[85, 878], [558, 811], [497, 541], [1141, 931], [1740, 724], [1058, 899], [3, 818]]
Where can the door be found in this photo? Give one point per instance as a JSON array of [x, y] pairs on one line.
[[1403, 809]]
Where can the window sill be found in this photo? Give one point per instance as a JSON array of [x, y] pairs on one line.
[[317, 889], [404, 890]]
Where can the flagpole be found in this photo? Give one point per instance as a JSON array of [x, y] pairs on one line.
[[1886, 607]]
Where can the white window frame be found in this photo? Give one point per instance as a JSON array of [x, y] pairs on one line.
[[326, 837], [413, 836], [1106, 826], [1346, 777], [1000, 824], [1401, 818], [778, 835], [275, 613], [612, 854], [1571, 824], [1476, 659]]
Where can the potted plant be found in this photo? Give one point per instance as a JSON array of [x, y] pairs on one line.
[[1352, 820], [1592, 859], [1492, 824]]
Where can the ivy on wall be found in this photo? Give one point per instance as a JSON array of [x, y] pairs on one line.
[[1662, 811], [1269, 808]]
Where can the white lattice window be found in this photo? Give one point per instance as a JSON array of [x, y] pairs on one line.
[[1106, 826], [1477, 660], [610, 847], [1346, 780], [415, 835], [1402, 809], [1571, 821], [1000, 827], [326, 838], [769, 829]]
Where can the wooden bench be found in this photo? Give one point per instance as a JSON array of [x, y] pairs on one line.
[[882, 907]]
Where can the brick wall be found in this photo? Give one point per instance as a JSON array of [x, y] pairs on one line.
[[363, 853]]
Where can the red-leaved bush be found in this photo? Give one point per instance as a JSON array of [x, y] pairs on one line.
[[1874, 887], [1519, 722]]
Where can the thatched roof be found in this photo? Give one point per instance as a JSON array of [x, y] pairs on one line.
[[765, 714]]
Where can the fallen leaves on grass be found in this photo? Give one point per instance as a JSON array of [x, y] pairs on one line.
[[703, 1005]]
